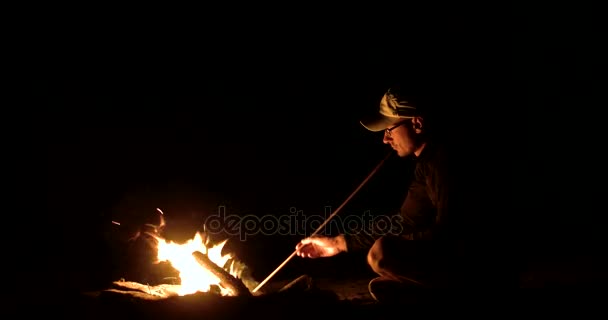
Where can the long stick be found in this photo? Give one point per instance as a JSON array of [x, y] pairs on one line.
[[326, 221]]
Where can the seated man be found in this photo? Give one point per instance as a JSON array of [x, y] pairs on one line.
[[417, 254]]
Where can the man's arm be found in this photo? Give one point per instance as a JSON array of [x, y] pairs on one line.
[[364, 239], [359, 241]]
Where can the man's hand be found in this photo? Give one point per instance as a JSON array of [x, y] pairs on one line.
[[321, 246]]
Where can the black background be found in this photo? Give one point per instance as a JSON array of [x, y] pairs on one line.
[[259, 118]]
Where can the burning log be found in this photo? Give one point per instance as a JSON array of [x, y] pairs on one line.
[[226, 279]]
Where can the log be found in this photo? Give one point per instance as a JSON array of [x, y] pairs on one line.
[[143, 291], [302, 283], [131, 294], [226, 279]]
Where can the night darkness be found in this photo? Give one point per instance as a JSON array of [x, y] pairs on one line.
[[254, 137], [255, 124]]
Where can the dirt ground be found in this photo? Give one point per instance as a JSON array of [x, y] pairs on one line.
[[352, 290], [329, 298], [349, 298]]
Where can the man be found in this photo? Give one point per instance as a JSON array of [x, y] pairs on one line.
[[417, 255]]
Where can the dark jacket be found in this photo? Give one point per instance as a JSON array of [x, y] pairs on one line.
[[424, 212]]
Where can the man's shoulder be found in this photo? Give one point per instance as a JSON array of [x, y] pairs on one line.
[[433, 161], [445, 161], [435, 152]]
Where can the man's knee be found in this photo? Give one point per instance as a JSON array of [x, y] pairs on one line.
[[376, 256]]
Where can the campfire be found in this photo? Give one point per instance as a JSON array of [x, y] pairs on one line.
[[201, 267]]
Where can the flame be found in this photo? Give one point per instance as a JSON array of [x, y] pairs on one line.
[[194, 277]]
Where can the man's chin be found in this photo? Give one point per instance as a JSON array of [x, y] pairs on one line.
[[403, 153]]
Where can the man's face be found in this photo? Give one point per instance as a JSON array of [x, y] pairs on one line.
[[403, 137]]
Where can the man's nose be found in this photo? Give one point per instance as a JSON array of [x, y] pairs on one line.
[[386, 139]]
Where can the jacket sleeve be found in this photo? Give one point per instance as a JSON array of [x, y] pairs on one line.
[[386, 225], [423, 215], [359, 241]]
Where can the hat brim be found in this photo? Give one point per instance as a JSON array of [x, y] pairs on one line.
[[379, 122]]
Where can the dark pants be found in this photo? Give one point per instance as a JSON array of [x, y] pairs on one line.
[[417, 262]]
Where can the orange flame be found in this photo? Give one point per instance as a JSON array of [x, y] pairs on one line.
[[194, 277]]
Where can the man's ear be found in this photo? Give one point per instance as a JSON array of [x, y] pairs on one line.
[[418, 124]]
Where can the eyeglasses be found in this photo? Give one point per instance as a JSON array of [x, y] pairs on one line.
[[388, 130]]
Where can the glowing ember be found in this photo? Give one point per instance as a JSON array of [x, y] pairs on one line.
[[194, 277]]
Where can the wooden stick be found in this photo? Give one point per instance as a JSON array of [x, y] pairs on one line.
[[226, 279], [326, 220]]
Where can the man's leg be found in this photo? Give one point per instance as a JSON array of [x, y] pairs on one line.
[[407, 261]]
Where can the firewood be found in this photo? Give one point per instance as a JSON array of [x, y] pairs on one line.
[[130, 294], [162, 290], [226, 279], [302, 283]]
